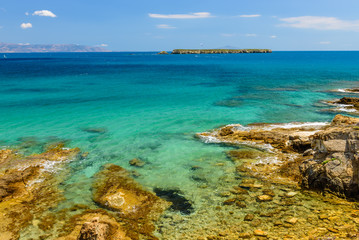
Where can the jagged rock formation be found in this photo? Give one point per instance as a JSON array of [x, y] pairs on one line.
[[319, 156], [335, 162], [218, 51], [163, 52]]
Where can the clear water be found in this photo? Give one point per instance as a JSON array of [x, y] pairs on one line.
[[152, 105]]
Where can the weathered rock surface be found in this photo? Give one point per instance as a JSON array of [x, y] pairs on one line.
[[115, 190], [319, 156], [94, 225], [28, 186], [335, 164]]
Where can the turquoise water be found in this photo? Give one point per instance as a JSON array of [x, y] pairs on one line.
[[152, 105]]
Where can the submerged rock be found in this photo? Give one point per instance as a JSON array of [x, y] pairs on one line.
[[115, 190], [28, 187], [94, 130], [179, 202], [94, 225], [137, 162]]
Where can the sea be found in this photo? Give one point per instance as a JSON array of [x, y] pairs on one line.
[[119, 106]]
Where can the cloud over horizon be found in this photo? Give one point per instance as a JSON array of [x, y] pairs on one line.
[[44, 13], [165, 26], [181, 16], [320, 23], [26, 25], [250, 16]]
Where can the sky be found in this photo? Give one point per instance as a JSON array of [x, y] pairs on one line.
[[154, 25]]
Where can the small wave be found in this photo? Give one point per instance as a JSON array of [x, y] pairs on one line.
[[297, 125]]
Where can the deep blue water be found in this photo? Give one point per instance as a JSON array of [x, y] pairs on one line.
[[151, 105]]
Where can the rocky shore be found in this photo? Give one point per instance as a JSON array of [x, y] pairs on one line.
[[316, 155], [30, 193], [219, 51]]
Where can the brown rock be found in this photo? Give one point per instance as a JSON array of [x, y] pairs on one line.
[[292, 220], [249, 217], [244, 235], [94, 230], [230, 201], [137, 162], [264, 198], [114, 189], [260, 233]]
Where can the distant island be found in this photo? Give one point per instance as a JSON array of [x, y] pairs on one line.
[[218, 51], [32, 48]]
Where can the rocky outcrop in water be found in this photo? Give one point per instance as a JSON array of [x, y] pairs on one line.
[[219, 51], [318, 156], [28, 186]]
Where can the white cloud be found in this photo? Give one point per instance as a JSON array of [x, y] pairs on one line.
[[320, 23], [181, 16], [26, 25], [228, 34], [273, 36], [250, 16], [250, 35], [27, 13], [103, 45], [325, 42], [44, 13], [165, 26]]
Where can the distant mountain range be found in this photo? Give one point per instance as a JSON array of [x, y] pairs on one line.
[[29, 48]]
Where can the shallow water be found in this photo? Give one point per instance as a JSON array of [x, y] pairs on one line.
[[150, 106]]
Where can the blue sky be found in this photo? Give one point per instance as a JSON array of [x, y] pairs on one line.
[[145, 25]]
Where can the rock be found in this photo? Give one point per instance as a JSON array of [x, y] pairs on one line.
[[137, 162], [290, 194], [245, 235], [308, 152], [94, 230], [226, 131], [249, 217], [163, 52], [28, 187], [94, 130], [96, 225], [225, 194], [268, 192], [323, 216], [335, 161], [230, 201], [292, 220], [259, 233], [264, 198], [114, 189], [241, 204]]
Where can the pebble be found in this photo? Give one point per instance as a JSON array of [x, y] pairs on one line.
[[292, 220], [290, 194], [323, 216], [264, 198], [249, 217], [230, 201], [259, 233], [244, 235], [136, 162]]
